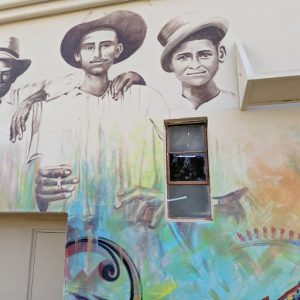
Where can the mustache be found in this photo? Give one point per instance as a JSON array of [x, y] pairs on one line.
[[98, 60]]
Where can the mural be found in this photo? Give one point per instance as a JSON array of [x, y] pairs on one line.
[[192, 50], [11, 67], [93, 146]]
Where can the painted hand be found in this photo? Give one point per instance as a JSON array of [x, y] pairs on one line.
[[54, 184], [18, 122], [123, 82], [51, 89], [230, 205], [141, 206]]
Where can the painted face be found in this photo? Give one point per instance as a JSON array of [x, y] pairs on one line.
[[98, 50], [195, 62], [6, 76]]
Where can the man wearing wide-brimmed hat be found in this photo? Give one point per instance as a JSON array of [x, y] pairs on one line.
[[97, 137], [193, 51], [121, 34], [99, 154]]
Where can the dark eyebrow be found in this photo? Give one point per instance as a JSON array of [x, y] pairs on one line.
[[108, 41], [183, 53], [89, 43], [103, 42], [205, 50]]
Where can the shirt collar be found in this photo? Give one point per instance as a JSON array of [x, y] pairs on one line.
[[78, 92]]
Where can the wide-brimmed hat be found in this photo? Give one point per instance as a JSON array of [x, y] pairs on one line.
[[9, 50], [129, 26], [181, 27]]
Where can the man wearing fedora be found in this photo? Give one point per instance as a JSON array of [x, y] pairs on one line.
[[96, 134], [193, 51], [11, 66]]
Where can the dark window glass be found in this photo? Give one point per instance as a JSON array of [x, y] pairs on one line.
[[187, 138], [188, 201], [187, 167]]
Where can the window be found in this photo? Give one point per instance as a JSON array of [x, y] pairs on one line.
[[188, 196]]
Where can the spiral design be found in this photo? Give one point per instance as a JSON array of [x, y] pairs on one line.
[[109, 269]]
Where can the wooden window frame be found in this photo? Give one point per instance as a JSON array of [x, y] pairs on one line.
[[186, 121]]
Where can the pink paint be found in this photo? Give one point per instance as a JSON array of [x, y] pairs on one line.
[[241, 237], [273, 232], [249, 234], [282, 232], [265, 231], [256, 232]]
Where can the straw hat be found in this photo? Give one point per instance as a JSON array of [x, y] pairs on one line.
[[181, 27]]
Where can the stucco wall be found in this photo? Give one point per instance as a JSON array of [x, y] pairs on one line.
[[251, 248]]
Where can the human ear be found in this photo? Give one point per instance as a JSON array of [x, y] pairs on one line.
[[77, 57], [170, 62], [13, 77], [222, 53], [119, 50]]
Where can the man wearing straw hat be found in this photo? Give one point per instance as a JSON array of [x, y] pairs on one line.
[[193, 51]]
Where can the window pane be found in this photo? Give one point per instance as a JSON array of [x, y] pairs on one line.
[[189, 201], [187, 138], [187, 167]]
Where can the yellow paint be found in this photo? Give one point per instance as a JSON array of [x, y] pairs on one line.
[[162, 290]]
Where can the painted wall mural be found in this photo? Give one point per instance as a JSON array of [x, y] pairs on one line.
[[92, 145]]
